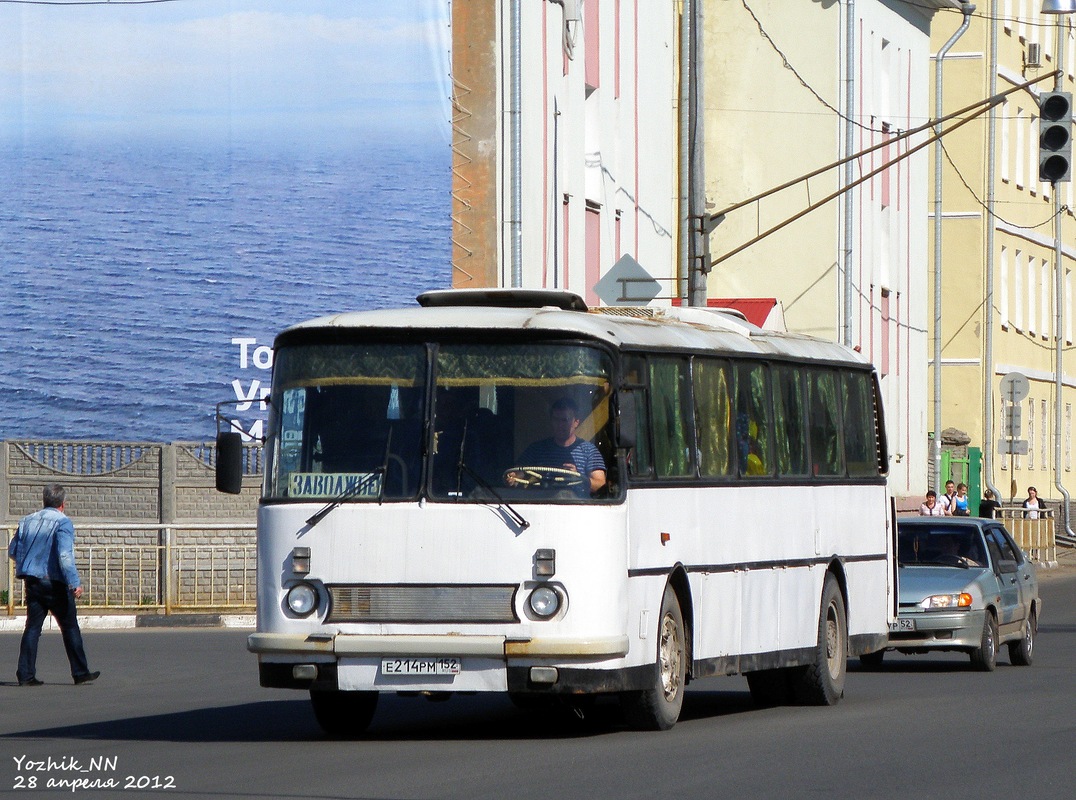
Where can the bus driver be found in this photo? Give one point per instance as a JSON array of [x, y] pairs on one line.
[[564, 450]]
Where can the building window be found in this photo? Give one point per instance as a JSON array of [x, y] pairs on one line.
[[1030, 435], [1068, 306], [1003, 285], [592, 43], [1017, 294], [1068, 437], [1031, 295], [1021, 148], [1044, 296], [1044, 438], [593, 253], [1006, 126]]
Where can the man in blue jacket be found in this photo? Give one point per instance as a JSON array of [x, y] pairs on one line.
[[43, 550]]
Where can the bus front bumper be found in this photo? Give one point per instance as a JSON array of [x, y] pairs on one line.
[[328, 662]]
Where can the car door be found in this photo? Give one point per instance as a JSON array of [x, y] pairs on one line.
[[1011, 613], [1025, 577]]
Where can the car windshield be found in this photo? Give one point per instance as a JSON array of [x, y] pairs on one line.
[[940, 545]]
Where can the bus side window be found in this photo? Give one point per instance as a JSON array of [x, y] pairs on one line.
[[640, 462], [713, 416], [858, 428], [790, 431], [753, 420], [827, 457], [670, 417]]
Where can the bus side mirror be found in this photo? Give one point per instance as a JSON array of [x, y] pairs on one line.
[[627, 420], [229, 462]]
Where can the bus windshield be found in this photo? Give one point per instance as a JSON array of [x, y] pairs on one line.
[[526, 421]]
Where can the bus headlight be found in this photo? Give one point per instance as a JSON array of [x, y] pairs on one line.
[[302, 599], [544, 602]]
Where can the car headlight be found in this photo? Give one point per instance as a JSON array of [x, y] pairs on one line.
[[302, 599], [936, 601], [544, 602]]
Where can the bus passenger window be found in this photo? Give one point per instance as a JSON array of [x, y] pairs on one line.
[[713, 417], [859, 425], [789, 428], [753, 420], [827, 457], [670, 410]]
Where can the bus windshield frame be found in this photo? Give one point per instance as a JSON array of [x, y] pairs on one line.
[[374, 420]]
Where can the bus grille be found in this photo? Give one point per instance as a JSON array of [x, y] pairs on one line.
[[422, 603]]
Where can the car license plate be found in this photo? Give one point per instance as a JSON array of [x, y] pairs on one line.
[[420, 666], [902, 625]]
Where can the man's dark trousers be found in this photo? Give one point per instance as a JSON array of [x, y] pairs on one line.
[[43, 597]]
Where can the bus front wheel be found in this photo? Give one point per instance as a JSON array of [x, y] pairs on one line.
[[657, 708], [343, 714], [822, 682]]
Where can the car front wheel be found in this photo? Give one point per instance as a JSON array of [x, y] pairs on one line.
[[985, 656]]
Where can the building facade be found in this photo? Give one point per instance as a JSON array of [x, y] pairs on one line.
[[1002, 311]]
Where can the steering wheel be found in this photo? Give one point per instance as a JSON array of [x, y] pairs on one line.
[[953, 559], [542, 477]]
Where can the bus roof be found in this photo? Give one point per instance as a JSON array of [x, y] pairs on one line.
[[627, 327]]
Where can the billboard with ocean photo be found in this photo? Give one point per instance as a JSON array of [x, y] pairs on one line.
[[181, 179]]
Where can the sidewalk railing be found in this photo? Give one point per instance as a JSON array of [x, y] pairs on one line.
[[1036, 537], [164, 577]]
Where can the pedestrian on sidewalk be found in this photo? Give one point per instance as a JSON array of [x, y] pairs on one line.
[[43, 550]]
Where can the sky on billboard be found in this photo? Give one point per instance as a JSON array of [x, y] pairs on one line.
[[288, 69]]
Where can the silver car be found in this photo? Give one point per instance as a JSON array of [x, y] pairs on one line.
[[963, 584]]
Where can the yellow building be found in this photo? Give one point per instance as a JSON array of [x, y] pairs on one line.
[[1000, 309], [793, 87]]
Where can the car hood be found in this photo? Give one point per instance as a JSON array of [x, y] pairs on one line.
[[915, 583]]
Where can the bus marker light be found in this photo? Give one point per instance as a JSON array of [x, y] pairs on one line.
[[545, 562], [304, 672], [665, 538], [300, 560], [544, 675]]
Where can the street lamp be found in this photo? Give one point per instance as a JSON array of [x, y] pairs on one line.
[[1059, 6]]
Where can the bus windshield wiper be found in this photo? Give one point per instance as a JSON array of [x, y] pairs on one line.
[[462, 466], [359, 487]]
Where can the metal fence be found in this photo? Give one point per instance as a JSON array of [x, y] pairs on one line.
[[165, 577], [1036, 537]]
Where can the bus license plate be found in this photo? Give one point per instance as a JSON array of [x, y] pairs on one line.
[[420, 666], [902, 625]]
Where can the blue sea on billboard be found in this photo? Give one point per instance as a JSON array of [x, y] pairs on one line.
[[141, 286]]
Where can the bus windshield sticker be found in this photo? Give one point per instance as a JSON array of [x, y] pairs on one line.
[[334, 484]]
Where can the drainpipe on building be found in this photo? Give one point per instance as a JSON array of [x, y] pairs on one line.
[[991, 224], [683, 289], [515, 233], [966, 9], [849, 173]]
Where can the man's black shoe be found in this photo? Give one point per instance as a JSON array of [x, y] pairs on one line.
[[89, 676], [32, 682]]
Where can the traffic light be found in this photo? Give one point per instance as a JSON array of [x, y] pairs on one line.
[[1055, 136]]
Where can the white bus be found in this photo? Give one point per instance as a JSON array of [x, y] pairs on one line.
[[741, 523]]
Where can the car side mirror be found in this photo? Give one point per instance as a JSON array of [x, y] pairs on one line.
[[1006, 566], [229, 462]]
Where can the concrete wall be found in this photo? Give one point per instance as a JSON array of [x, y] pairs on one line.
[[141, 482]]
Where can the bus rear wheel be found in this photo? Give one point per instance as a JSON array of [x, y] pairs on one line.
[[822, 682], [343, 714], [657, 708]]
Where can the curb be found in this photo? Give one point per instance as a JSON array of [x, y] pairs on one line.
[[99, 622]]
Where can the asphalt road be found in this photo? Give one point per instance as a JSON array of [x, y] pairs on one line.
[[182, 709]]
